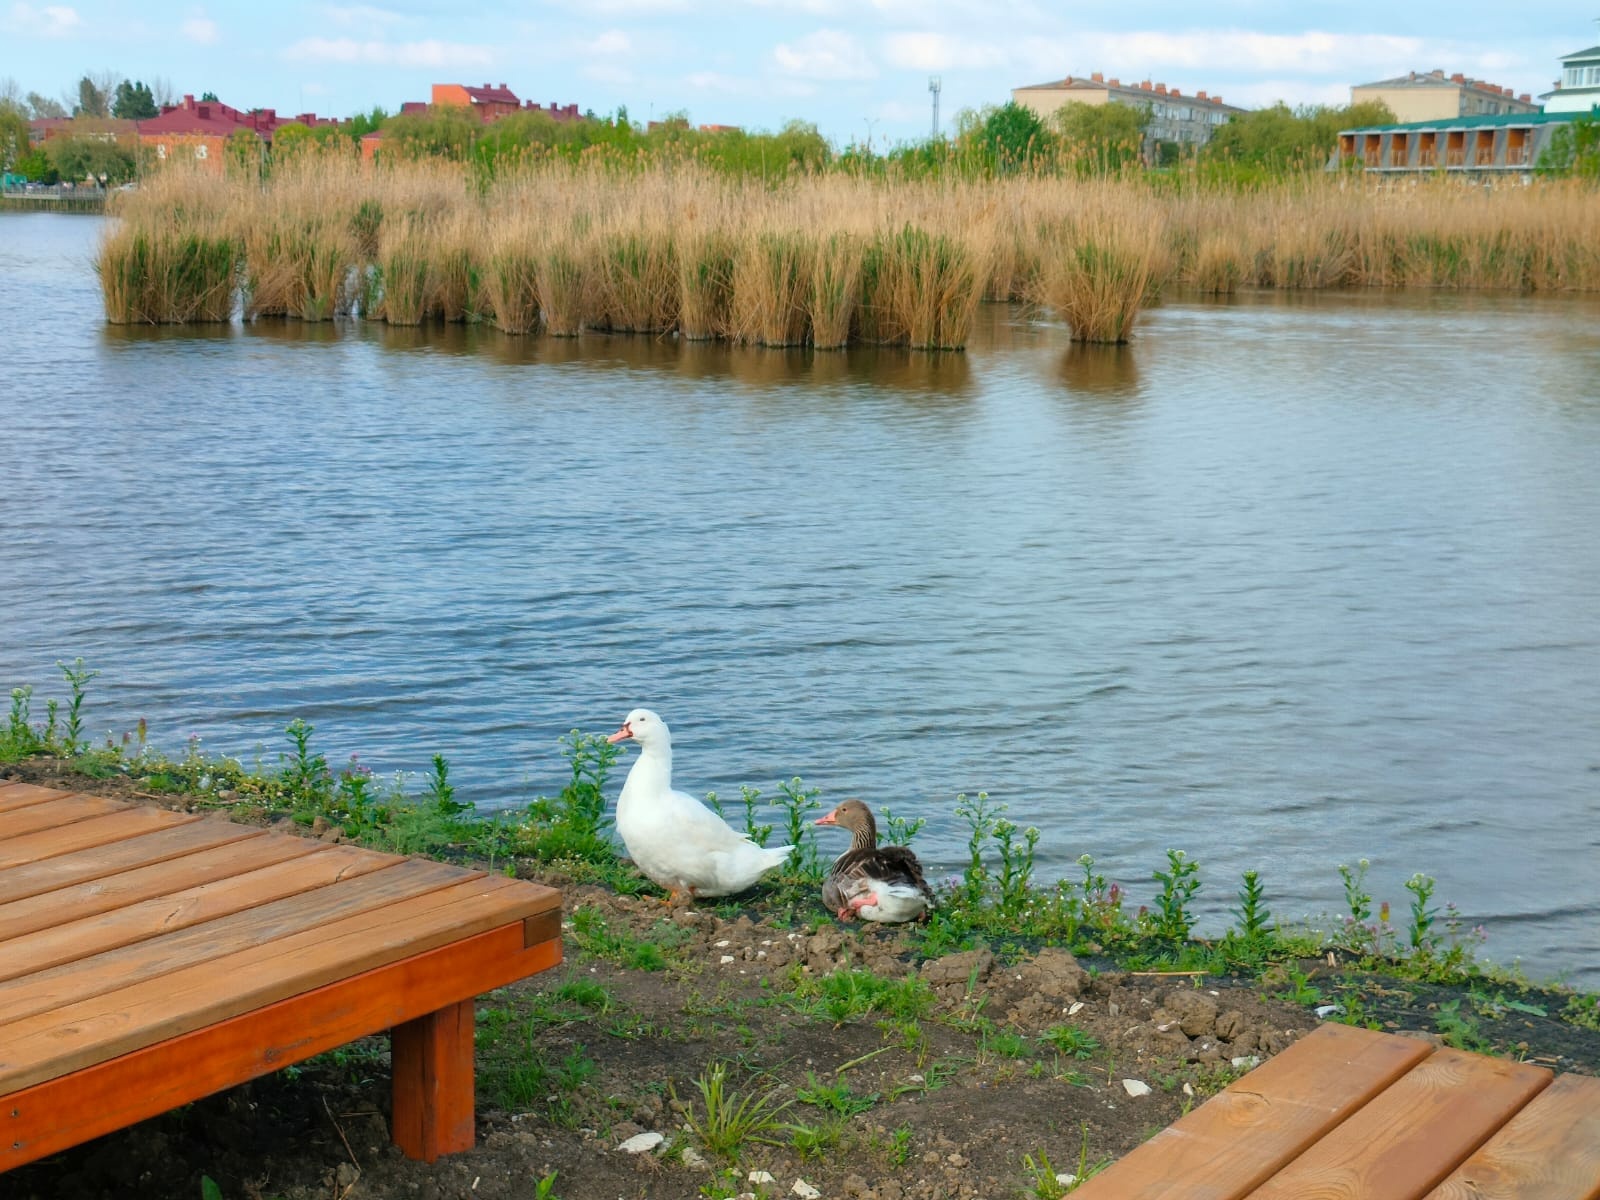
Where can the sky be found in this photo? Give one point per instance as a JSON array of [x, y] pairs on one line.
[[858, 69]]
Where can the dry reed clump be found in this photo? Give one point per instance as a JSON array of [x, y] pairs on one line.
[[511, 277], [167, 276], [828, 259], [406, 277], [835, 289], [771, 285], [636, 277], [705, 284], [1100, 270], [919, 289]]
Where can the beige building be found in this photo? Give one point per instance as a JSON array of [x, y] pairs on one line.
[[1184, 120], [1433, 96]]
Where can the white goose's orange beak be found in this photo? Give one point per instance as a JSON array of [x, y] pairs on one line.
[[622, 734]]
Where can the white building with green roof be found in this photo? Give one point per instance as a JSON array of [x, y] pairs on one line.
[[1578, 90]]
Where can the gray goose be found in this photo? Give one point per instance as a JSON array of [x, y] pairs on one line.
[[873, 882]]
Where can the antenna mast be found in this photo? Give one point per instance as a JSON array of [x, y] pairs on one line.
[[933, 87]]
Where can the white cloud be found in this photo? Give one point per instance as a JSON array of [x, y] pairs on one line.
[[1293, 92], [612, 42], [940, 52], [1219, 51], [430, 53], [363, 16], [199, 28], [826, 54], [51, 21]]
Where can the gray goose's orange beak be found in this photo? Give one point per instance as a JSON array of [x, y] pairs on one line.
[[622, 734], [830, 819]]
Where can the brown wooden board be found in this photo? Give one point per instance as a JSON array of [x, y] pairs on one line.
[[80, 835], [72, 1036], [81, 939], [1548, 1151], [162, 845], [65, 1111], [76, 981], [52, 814], [1420, 1129], [62, 905], [1230, 1144], [20, 795]]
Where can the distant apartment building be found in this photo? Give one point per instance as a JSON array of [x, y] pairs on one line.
[[1434, 96], [1578, 89], [200, 130], [1175, 118]]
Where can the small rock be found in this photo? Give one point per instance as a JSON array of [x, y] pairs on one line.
[[692, 1157], [1195, 1011], [641, 1143], [759, 1177], [1230, 1024], [725, 959], [956, 1160], [1135, 1087], [1246, 1062], [1066, 1179], [1075, 1008], [804, 1190]]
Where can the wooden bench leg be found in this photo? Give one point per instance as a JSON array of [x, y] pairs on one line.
[[432, 1060]]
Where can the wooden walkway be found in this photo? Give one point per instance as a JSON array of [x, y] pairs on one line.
[[1348, 1114], [149, 958]]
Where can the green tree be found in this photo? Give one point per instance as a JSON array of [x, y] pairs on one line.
[[1279, 139], [35, 166], [209, 98], [1013, 137], [134, 102], [446, 131], [79, 158], [13, 133], [1102, 138], [43, 107], [92, 100], [1573, 149]]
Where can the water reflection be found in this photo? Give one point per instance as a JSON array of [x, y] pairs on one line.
[[1107, 372]]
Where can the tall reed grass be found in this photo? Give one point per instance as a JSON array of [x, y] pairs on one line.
[[819, 260]]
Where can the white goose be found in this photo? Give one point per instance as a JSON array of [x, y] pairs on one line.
[[674, 839]]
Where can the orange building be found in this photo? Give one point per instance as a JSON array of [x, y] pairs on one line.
[[490, 103]]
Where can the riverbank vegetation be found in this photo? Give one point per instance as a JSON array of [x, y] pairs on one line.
[[1028, 1034], [822, 259], [995, 893]]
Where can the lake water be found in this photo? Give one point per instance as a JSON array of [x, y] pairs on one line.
[[1289, 582]]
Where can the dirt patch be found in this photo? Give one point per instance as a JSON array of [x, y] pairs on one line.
[[1012, 1058]]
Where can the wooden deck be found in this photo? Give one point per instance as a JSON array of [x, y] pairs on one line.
[[149, 958], [1348, 1114]]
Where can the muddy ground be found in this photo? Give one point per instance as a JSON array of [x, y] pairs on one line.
[[967, 1101]]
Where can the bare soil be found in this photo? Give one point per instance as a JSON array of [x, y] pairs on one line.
[[953, 1105]]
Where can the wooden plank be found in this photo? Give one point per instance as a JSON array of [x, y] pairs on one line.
[[60, 906], [1237, 1139], [164, 844], [1419, 1130], [52, 814], [89, 977], [51, 1116], [431, 1059], [1549, 1151], [63, 1039], [20, 795], [81, 835], [166, 912]]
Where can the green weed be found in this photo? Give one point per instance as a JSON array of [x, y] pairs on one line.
[[724, 1120]]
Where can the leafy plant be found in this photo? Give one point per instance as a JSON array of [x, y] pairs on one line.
[[724, 1120], [1179, 883], [836, 1097], [1254, 916], [1071, 1040]]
